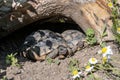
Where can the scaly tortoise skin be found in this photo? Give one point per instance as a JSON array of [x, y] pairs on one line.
[[50, 45], [74, 39]]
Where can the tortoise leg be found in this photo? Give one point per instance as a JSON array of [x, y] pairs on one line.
[[80, 45], [70, 52], [33, 55], [74, 49], [53, 54]]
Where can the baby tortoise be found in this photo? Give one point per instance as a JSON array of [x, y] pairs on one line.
[[74, 39], [51, 46]]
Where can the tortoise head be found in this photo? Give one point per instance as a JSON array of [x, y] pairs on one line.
[[33, 54], [24, 52], [63, 51], [80, 45]]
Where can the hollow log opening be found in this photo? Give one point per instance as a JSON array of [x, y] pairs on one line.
[[12, 42]]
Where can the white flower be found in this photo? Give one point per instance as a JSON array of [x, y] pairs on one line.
[[89, 68], [110, 4], [93, 60], [76, 74], [105, 51]]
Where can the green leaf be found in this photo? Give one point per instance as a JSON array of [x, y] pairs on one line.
[[49, 60], [57, 62], [62, 20], [102, 44], [90, 32], [11, 60]]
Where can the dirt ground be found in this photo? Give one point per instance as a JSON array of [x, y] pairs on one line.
[[45, 71]]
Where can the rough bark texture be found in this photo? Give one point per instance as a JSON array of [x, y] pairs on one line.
[[90, 15]]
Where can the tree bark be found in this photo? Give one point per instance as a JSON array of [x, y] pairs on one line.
[[87, 15]]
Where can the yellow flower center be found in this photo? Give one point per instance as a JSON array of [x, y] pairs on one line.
[[118, 29], [87, 67], [110, 4], [104, 60], [104, 50], [93, 59], [75, 72]]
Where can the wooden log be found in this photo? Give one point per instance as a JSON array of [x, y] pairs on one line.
[[93, 14]]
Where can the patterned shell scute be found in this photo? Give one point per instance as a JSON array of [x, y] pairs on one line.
[[73, 38]]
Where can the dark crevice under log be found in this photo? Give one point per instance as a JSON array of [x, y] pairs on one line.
[[12, 42]]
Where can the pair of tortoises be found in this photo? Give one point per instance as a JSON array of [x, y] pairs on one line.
[[45, 43]]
